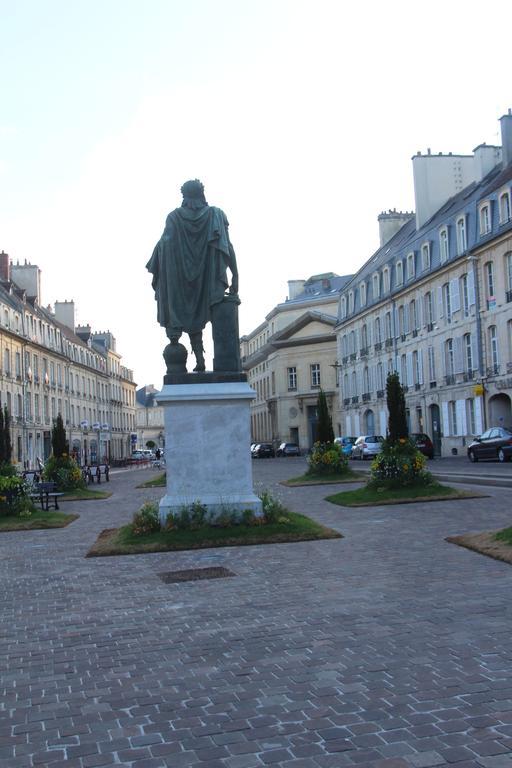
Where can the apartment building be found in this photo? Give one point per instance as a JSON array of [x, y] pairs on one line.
[[434, 303], [47, 367], [289, 357]]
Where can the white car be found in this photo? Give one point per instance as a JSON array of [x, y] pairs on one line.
[[367, 446]]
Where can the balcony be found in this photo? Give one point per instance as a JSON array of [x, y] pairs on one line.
[[403, 337], [508, 296], [415, 333], [449, 380], [388, 343], [417, 386], [433, 384], [355, 399], [378, 346], [366, 397], [430, 327], [346, 401], [405, 387], [363, 352], [468, 376], [494, 370], [380, 394], [353, 356]]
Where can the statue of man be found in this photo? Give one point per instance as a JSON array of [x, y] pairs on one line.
[[189, 266]]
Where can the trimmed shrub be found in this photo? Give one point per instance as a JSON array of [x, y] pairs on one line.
[[398, 465], [65, 472], [327, 459]]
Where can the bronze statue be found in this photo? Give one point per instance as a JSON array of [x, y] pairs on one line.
[[189, 265]]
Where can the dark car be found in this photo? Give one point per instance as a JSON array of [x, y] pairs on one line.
[[423, 443], [263, 451], [288, 449], [495, 443]]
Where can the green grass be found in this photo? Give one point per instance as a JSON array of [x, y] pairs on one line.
[[121, 541], [84, 494], [504, 536], [366, 497], [343, 477], [38, 519], [156, 482]]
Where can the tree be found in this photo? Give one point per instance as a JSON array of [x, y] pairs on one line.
[[325, 430], [59, 442], [5, 437], [397, 424], [150, 444]]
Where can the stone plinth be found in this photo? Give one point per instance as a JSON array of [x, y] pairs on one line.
[[207, 441]]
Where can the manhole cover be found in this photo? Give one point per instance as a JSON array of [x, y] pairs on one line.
[[195, 574]]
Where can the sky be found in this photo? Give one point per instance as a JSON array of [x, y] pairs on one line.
[[300, 118]]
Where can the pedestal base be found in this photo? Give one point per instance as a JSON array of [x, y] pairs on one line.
[[207, 439]]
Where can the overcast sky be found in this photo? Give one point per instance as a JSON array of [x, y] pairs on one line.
[[299, 117]]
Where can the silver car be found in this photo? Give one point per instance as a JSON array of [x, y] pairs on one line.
[[367, 446]]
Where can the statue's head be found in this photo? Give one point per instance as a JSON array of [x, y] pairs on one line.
[[193, 191]]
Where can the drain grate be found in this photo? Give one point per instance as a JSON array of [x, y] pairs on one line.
[[196, 574]]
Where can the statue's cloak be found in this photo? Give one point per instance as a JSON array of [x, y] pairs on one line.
[[189, 267]]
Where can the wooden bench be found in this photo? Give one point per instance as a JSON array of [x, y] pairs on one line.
[[44, 492]]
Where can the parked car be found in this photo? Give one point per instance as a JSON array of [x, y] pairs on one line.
[[263, 451], [137, 455], [495, 443], [346, 444], [423, 443], [288, 449], [367, 446]]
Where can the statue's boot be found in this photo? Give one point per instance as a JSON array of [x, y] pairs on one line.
[[198, 350]]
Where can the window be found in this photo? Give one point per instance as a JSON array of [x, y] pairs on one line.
[[380, 377], [364, 338], [352, 345], [468, 352], [7, 362], [447, 302], [431, 365], [315, 374], [471, 416], [461, 236], [465, 295], [504, 207], [399, 271], [425, 257], [493, 346], [485, 219], [377, 331], [376, 285], [416, 367], [17, 364], [429, 310], [410, 266], [354, 384], [401, 321], [413, 316], [387, 321], [343, 307], [366, 380], [350, 302], [362, 294], [444, 252], [449, 358], [403, 370], [452, 412], [386, 284], [292, 378], [508, 273], [489, 284], [346, 389]]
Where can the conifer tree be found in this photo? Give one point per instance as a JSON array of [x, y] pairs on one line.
[[325, 430], [2, 438], [397, 424], [59, 443]]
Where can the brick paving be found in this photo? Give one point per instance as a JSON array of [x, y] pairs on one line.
[[387, 648]]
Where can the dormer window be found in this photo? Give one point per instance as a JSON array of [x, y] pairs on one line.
[[485, 218], [399, 272], [343, 307], [505, 210], [362, 294], [425, 257], [350, 302], [444, 252], [376, 285], [385, 280], [462, 243], [410, 266]]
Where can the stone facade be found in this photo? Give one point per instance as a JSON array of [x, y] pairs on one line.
[[289, 357], [149, 418], [49, 367], [435, 304]]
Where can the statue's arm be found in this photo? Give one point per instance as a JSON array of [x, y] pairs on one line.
[[233, 288]]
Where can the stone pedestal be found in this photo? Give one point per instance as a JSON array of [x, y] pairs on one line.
[[207, 442]]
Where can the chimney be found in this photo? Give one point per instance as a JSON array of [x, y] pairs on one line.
[[486, 157], [5, 272], [436, 179], [65, 313], [28, 277], [390, 223], [295, 287], [506, 138], [83, 332], [326, 284]]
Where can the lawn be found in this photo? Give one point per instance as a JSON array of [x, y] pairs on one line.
[[121, 541], [343, 477], [155, 482], [369, 497], [495, 544], [38, 519]]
